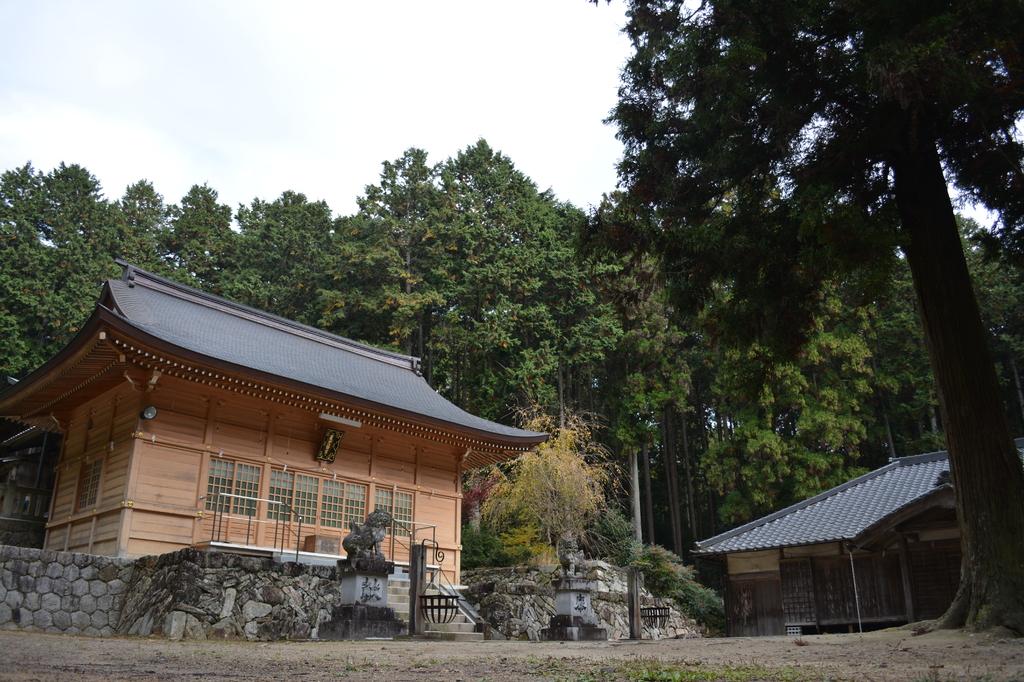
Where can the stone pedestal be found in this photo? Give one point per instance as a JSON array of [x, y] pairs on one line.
[[363, 612], [574, 618]]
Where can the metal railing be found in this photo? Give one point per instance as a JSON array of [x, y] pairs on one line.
[[410, 529], [225, 508]]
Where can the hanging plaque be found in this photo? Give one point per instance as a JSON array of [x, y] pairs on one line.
[[329, 445]]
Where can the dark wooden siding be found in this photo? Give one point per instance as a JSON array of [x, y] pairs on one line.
[[935, 576], [754, 605], [798, 606], [879, 589]]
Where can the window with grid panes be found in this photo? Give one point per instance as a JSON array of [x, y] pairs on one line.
[[89, 484], [332, 499], [399, 503], [355, 503], [247, 484], [341, 503], [282, 484], [225, 478], [306, 488], [220, 479]]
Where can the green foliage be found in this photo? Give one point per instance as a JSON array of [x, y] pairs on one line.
[[517, 546], [521, 544], [281, 255], [199, 243], [611, 537], [553, 488], [480, 548], [665, 576], [796, 425]]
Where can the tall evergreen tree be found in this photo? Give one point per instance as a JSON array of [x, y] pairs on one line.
[[385, 288], [142, 226], [827, 127], [199, 243], [281, 256]]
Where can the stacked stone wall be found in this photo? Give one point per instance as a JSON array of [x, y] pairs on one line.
[[519, 602], [61, 591], [209, 595], [185, 594]]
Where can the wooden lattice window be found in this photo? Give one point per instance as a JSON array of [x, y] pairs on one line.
[[355, 503], [332, 499], [342, 503], [282, 484], [399, 503], [226, 477], [306, 488], [798, 604], [247, 484], [89, 484]]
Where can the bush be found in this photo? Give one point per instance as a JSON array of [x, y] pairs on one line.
[[666, 576], [480, 547], [484, 548], [611, 538]]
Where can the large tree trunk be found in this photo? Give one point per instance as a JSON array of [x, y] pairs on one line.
[[634, 494], [1016, 384], [688, 474], [985, 467], [671, 476], [645, 464]]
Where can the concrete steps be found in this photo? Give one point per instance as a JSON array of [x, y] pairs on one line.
[[461, 629]]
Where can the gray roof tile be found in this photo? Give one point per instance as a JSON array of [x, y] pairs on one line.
[[229, 332], [841, 513]]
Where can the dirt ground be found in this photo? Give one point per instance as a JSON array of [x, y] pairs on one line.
[[887, 655]]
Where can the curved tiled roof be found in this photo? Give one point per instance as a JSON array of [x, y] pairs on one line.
[[250, 338], [843, 512]]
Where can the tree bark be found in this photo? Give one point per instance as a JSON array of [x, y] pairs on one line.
[[634, 493], [561, 397], [1020, 393], [985, 467], [671, 474], [883, 404], [688, 474], [645, 463]]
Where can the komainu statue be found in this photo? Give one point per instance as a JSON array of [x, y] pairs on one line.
[[363, 541], [569, 554]]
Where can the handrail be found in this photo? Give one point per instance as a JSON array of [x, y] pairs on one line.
[[222, 510], [412, 526]]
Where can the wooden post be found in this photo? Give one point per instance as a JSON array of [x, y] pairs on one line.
[[636, 629], [417, 586], [908, 590]]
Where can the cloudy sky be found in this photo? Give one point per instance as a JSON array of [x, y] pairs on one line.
[[258, 97]]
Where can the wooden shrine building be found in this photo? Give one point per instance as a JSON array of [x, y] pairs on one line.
[[880, 550], [189, 420]]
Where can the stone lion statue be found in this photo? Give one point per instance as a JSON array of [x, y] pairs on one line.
[[363, 541], [570, 556]]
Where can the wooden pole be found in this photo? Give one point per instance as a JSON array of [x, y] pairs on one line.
[[636, 630], [417, 587], [645, 464], [908, 589]]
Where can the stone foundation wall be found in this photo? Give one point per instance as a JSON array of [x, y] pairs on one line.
[[184, 594], [201, 595], [61, 591], [519, 601]]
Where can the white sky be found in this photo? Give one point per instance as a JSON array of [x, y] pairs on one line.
[[255, 98]]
